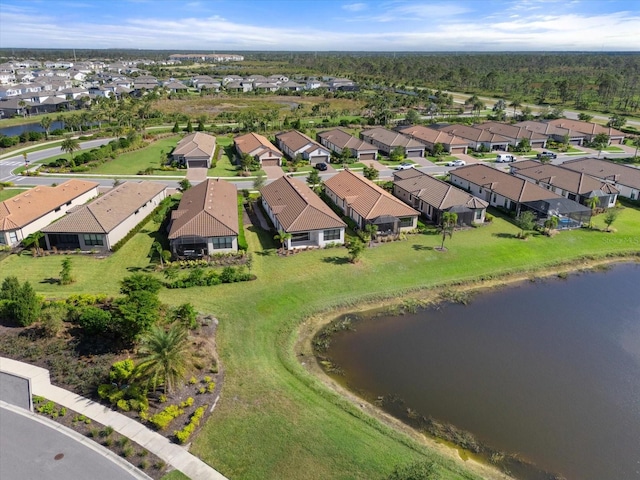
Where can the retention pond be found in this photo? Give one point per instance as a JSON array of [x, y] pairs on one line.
[[547, 370]]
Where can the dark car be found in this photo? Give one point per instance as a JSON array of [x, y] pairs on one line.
[[321, 166], [549, 155]]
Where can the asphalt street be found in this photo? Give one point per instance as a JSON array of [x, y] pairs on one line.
[[31, 449]]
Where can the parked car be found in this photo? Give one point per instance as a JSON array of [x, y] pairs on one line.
[[456, 163], [550, 155], [320, 166], [404, 166], [505, 158]]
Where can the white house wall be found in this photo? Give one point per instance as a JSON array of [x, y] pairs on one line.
[[121, 231]]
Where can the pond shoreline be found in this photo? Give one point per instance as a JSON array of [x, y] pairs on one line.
[[311, 326]]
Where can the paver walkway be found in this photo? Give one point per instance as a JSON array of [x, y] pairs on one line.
[[174, 455]]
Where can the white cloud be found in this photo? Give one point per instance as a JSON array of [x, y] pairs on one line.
[[354, 7], [617, 31]]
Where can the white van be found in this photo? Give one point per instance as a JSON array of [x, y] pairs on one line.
[[505, 158]]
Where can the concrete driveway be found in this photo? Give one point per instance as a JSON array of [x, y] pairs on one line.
[[273, 172]]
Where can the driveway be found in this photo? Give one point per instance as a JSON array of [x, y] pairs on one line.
[[196, 175], [273, 172]]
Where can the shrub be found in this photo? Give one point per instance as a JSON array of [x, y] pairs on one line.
[[123, 405], [211, 386], [95, 321], [161, 420], [187, 403], [121, 371], [183, 435]]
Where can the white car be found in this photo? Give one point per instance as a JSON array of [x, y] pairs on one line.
[[404, 166], [456, 163]]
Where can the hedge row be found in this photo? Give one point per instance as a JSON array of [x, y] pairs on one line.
[[183, 435], [163, 206]]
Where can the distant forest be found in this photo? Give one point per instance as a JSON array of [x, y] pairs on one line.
[[608, 82]]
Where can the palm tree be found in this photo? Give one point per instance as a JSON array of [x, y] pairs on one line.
[[165, 356], [449, 221], [550, 223], [593, 203], [282, 237], [515, 104], [636, 143], [370, 230], [600, 142], [70, 145], [45, 122], [157, 246]]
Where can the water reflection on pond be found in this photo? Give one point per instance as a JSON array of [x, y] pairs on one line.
[[549, 370]]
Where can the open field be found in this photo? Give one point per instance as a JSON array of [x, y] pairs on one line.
[[274, 419], [139, 160]]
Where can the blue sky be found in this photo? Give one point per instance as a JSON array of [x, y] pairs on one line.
[[372, 25]]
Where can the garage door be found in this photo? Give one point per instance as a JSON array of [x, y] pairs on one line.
[[616, 141], [367, 156], [270, 162], [320, 159], [197, 164], [414, 153], [457, 150]]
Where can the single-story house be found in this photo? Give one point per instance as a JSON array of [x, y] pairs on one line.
[[102, 223], [515, 133], [206, 221], [195, 150], [295, 209], [625, 178], [31, 211], [589, 130], [294, 143], [477, 137], [366, 203], [515, 194], [337, 140], [430, 136], [432, 197], [387, 140], [571, 184], [259, 148]]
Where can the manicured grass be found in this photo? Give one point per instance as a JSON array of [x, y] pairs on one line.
[[175, 475], [7, 193], [132, 162], [613, 149], [276, 421]]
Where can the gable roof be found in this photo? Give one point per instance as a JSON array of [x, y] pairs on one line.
[[196, 144], [21, 210], [108, 211], [297, 208], [435, 192], [390, 138], [605, 170], [433, 136], [365, 197], [514, 132], [295, 140], [513, 188], [210, 209], [342, 139], [570, 180], [254, 144]]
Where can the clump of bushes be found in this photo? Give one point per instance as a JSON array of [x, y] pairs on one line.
[[199, 277], [161, 420], [183, 435]]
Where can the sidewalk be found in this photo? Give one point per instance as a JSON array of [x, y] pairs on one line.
[[172, 454]]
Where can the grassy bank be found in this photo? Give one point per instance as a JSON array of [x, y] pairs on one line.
[[277, 421]]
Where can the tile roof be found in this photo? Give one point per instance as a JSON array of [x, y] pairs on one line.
[[432, 136], [514, 132], [297, 208], [196, 144], [105, 213], [435, 192], [475, 134], [585, 127], [502, 183], [570, 180], [390, 138], [365, 197], [255, 144], [603, 169], [210, 209], [28, 206], [342, 139], [296, 140]]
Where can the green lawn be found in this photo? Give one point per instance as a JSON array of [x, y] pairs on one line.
[[613, 149], [132, 162], [224, 167], [274, 419], [7, 193]]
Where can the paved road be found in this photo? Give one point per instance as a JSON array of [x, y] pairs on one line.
[[33, 449]]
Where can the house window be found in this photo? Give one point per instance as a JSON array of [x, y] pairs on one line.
[[3, 240], [406, 222], [222, 242], [494, 198], [13, 238], [478, 214], [91, 239], [300, 237], [331, 234]]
